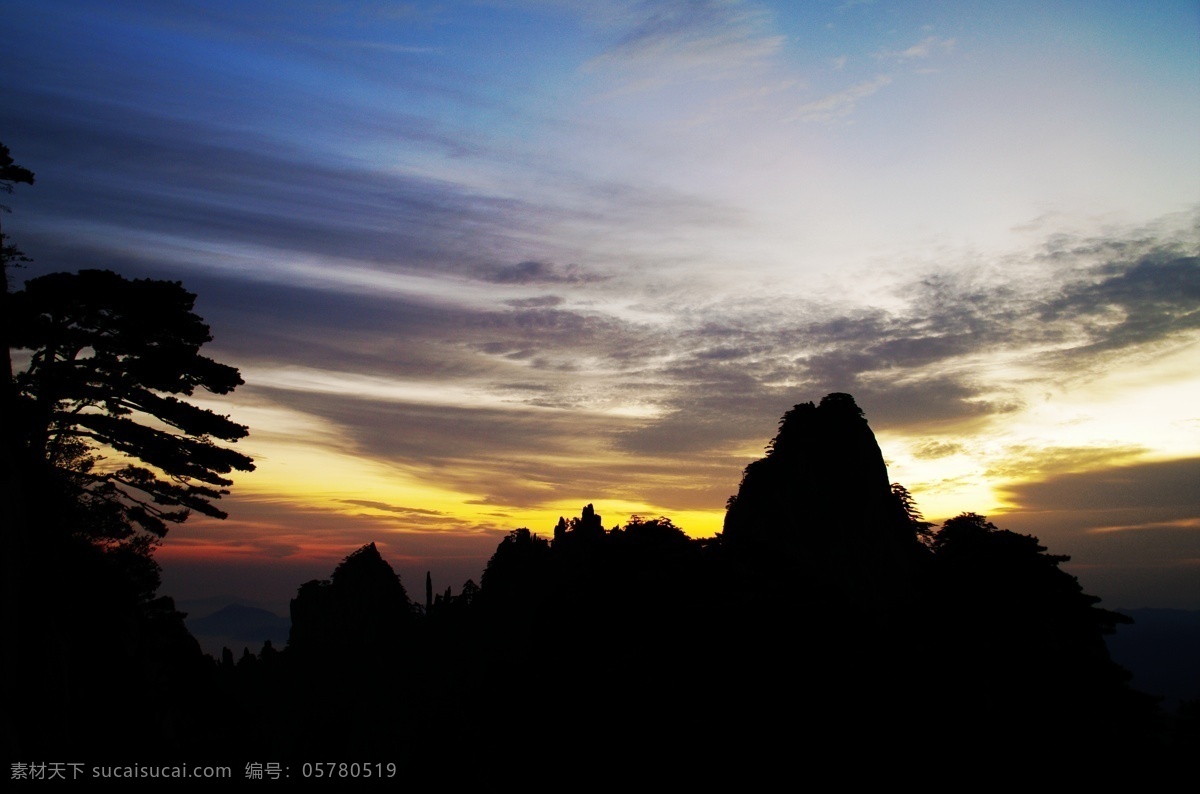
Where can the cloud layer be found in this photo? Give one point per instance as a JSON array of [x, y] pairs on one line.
[[480, 262]]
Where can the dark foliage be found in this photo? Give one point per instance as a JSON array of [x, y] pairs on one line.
[[109, 359], [1004, 611], [908, 506], [100, 454], [362, 610], [12, 174]]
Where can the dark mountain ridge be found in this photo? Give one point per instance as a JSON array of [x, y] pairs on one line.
[[822, 626], [239, 625], [823, 602], [1162, 649]]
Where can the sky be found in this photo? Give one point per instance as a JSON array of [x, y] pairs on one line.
[[482, 263]]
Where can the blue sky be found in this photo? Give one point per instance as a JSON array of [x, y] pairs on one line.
[[482, 263]]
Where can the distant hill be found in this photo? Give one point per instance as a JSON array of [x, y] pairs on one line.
[[1162, 650], [237, 626]]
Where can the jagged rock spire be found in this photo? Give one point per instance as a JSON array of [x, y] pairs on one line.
[[822, 499], [363, 602]]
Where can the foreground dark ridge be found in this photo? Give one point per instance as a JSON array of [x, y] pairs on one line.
[[824, 623]]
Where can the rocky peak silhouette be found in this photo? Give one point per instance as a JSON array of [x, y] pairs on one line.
[[820, 500], [363, 603]]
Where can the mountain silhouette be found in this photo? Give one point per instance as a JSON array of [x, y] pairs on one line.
[[239, 624], [820, 510], [823, 626], [1162, 648], [361, 608], [823, 468]]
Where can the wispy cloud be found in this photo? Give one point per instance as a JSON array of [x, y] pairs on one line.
[[1186, 524], [1158, 485], [841, 104], [383, 46], [532, 272], [923, 49], [498, 400], [389, 508], [672, 36], [1119, 522]]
